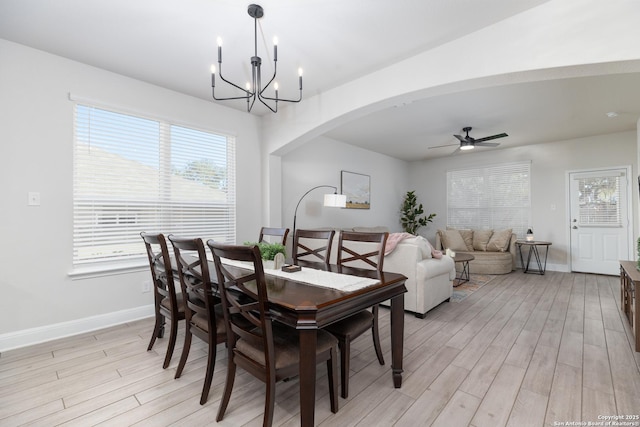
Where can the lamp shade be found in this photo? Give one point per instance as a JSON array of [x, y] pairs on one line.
[[335, 200]]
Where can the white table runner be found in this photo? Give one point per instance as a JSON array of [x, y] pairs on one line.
[[326, 279]]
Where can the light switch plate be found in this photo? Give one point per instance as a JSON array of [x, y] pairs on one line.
[[34, 198]]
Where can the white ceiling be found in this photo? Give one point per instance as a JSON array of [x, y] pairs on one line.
[[173, 43]]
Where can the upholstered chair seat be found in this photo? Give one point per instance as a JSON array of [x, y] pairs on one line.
[[166, 302], [287, 350]]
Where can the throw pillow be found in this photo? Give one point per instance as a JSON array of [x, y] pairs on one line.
[[453, 240], [499, 241], [481, 239], [467, 236]]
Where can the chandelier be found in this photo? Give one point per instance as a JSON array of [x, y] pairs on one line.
[[254, 89]]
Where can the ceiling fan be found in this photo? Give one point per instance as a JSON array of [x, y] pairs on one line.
[[468, 143]]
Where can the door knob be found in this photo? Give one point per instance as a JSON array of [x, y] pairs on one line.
[[575, 227]]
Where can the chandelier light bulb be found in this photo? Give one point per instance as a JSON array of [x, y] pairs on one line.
[[275, 85], [299, 72], [213, 69], [219, 42], [275, 49], [248, 86]]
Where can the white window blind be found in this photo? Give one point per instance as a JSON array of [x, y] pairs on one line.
[[598, 200], [134, 174], [496, 197]]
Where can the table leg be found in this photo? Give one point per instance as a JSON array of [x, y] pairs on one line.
[[465, 271], [536, 254], [308, 342], [397, 338], [526, 270], [546, 254], [542, 267], [521, 259], [464, 274]]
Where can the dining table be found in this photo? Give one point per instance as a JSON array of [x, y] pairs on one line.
[[308, 307]]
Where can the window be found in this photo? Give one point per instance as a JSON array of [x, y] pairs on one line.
[[496, 197], [598, 200], [134, 174]]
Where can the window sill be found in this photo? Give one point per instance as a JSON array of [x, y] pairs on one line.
[[101, 270]]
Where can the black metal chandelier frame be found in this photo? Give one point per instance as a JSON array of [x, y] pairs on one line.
[[256, 91]]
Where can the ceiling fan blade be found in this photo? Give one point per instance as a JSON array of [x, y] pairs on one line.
[[441, 146], [461, 138], [487, 144], [456, 151], [489, 138]]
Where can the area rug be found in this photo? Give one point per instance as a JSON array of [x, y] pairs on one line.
[[476, 281]]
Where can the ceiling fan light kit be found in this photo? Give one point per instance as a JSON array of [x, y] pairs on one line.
[[254, 90], [469, 143]]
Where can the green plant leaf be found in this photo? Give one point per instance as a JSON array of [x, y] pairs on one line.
[[410, 214], [268, 251]]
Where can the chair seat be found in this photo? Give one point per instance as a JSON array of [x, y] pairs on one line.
[[286, 345], [167, 304], [352, 326], [200, 320]]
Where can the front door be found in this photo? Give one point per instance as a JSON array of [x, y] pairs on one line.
[[599, 220]]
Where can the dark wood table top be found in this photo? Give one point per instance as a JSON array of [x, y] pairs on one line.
[[291, 299], [533, 242], [462, 257]]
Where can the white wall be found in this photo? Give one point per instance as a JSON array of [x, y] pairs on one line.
[[320, 162], [36, 143], [549, 165]]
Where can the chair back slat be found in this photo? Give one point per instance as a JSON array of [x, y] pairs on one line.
[[244, 297], [160, 266], [348, 252], [305, 242], [197, 288]]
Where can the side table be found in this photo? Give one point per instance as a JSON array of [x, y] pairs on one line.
[[533, 250], [464, 274]]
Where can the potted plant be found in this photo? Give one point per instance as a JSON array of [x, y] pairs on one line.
[[411, 212], [268, 251]]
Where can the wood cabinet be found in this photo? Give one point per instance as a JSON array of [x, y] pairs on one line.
[[629, 279]]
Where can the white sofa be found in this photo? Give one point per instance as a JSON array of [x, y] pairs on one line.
[[429, 280]]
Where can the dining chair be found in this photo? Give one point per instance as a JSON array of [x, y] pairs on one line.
[[274, 232], [268, 350], [346, 330], [305, 237], [167, 303], [203, 311]]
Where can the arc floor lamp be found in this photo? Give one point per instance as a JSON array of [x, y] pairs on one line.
[[334, 200]]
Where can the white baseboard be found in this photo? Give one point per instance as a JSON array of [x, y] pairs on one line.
[[563, 268], [26, 337]]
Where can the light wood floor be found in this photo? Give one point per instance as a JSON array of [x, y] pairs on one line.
[[524, 350]]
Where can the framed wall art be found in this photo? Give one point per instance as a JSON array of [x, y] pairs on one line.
[[357, 188]]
